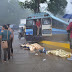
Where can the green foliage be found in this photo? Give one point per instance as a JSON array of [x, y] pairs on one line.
[[42, 1], [54, 6], [57, 6], [33, 4]]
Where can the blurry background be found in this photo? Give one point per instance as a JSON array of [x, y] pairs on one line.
[[11, 12]]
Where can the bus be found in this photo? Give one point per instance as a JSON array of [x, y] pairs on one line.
[[52, 28]]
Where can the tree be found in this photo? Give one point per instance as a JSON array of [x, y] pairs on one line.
[[33, 4], [54, 6], [57, 6]]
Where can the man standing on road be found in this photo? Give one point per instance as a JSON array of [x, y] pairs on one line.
[[0, 49], [69, 29], [12, 38], [5, 35]]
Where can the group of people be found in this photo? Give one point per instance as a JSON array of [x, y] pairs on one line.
[[6, 34]]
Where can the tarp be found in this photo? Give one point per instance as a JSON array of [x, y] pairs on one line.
[[68, 16]]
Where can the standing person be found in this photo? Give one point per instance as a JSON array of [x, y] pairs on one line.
[[0, 49], [69, 30], [22, 31], [38, 26], [5, 35], [12, 38]]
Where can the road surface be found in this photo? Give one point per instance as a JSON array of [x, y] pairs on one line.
[[26, 61]]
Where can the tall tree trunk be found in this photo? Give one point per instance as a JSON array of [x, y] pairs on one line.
[[38, 2]]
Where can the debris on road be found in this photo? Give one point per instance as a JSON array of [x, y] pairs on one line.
[[42, 50], [36, 54], [59, 52], [44, 59]]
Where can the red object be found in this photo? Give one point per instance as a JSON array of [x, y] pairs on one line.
[[38, 23], [69, 27]]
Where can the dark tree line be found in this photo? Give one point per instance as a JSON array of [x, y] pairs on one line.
[[54, 6]]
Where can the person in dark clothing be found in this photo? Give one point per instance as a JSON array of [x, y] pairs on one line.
[[69, 30], [0, 43], [0, 50], [5, 35], [12, 38]]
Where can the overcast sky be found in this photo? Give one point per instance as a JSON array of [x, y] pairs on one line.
[[69, 7]]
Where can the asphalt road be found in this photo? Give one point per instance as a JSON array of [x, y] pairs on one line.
[[26, 61]]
